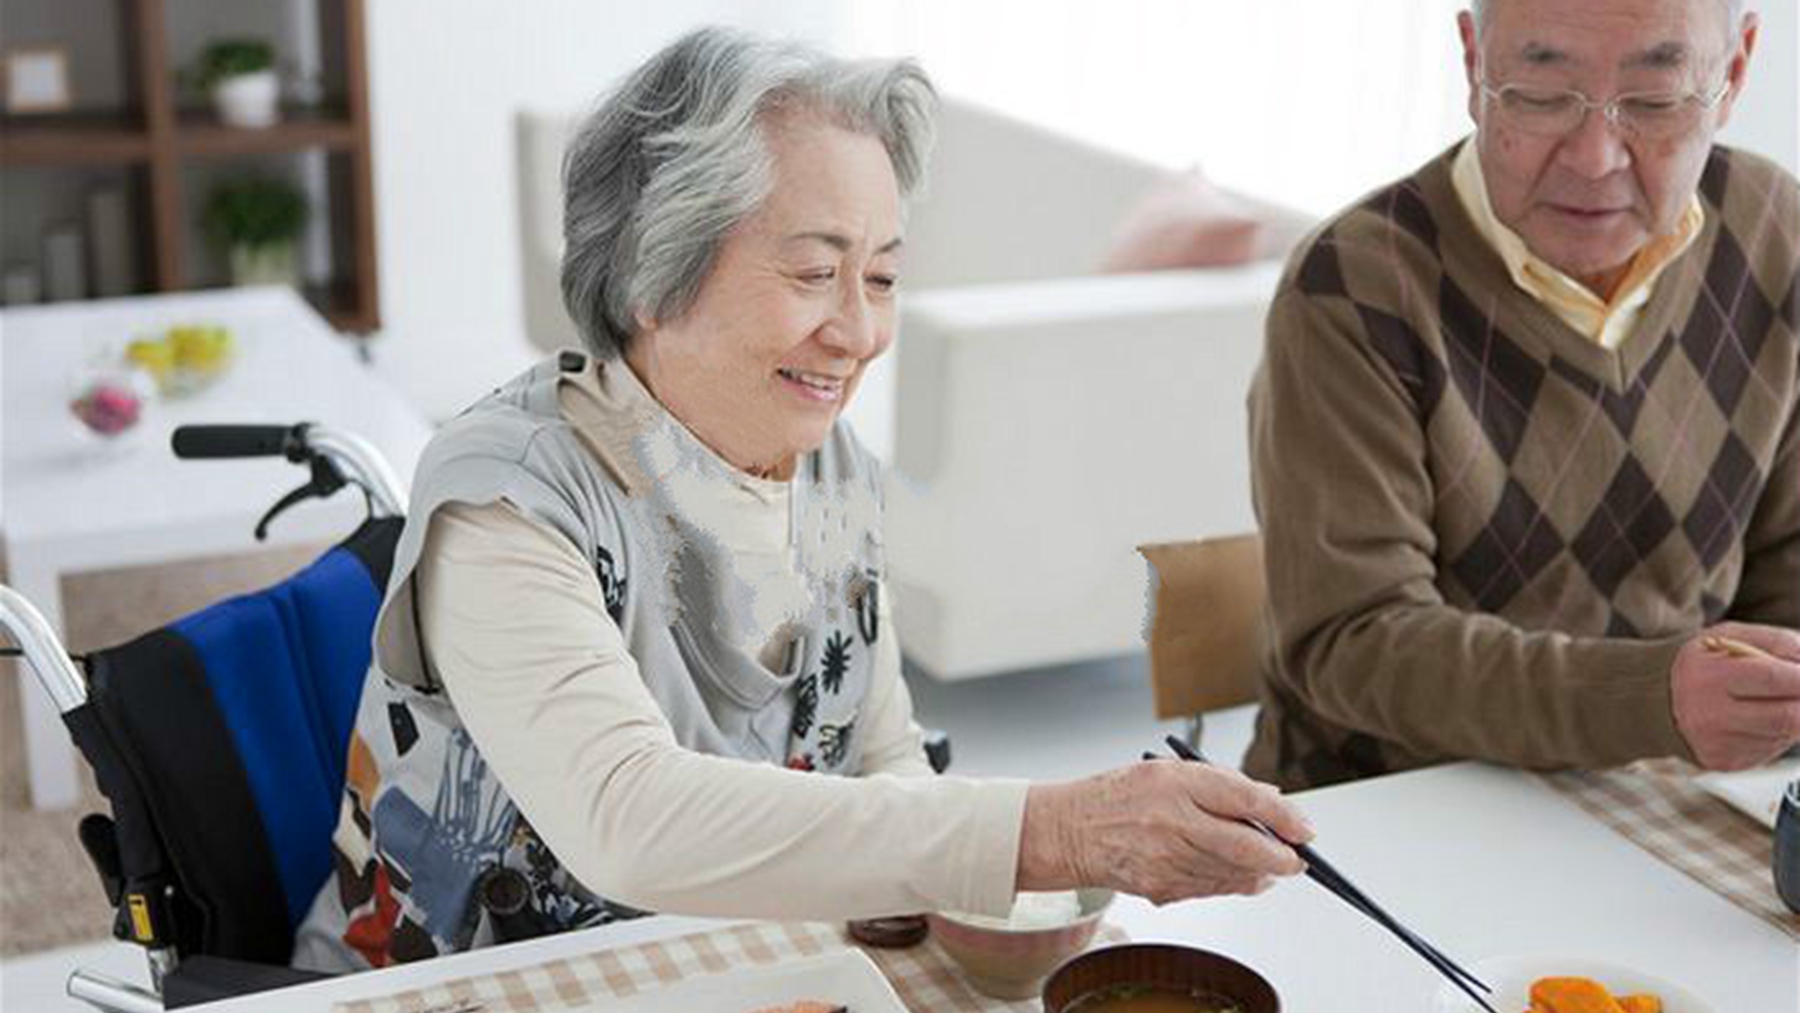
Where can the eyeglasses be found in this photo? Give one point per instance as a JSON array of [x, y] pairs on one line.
[[1649, 115]]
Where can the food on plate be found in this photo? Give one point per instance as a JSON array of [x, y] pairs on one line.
[[1031, 911], [108, 405], [806, 1006], [185, 358], [1151, 999], [1585, 995]]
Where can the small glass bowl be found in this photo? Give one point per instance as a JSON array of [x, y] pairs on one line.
[[108, 398]]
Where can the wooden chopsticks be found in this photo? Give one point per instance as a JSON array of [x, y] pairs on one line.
[[1326, 875]]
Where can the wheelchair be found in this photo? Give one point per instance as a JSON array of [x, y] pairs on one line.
[[219, 740]]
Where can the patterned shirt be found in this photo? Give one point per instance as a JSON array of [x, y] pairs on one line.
[[612, 673]]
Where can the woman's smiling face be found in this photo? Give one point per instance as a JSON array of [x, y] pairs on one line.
[[799, 300]]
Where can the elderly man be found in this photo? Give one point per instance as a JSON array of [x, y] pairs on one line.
[[1525, 440]]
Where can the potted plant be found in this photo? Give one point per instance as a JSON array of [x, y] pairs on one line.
[[240, 76], [257, 220]]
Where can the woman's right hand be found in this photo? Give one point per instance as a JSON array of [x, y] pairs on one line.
[[1164, 830]]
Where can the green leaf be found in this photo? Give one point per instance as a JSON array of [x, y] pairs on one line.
[[255, 211], [231, 58]]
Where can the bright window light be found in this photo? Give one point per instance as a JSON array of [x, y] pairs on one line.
[[1308, 102]]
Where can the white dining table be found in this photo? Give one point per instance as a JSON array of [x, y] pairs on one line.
[[1482, 861], [71, 501]]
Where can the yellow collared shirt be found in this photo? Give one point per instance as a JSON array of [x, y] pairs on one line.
[[1604, 321]]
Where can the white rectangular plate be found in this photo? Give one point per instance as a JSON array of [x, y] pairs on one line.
[[1757, 792], [846, 978]]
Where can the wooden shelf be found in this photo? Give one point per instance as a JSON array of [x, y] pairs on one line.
[[106, 138], [74, 139], [338, 303], [199, 133], [155, 133]]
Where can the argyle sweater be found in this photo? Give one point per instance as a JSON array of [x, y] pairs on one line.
[[1486, 536]]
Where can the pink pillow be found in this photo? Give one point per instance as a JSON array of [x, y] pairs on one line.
[[1183, 221]]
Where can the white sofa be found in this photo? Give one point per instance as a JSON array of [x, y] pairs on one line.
[[1041, 421]]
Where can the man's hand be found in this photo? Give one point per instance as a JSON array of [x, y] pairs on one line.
[[1738, 710]]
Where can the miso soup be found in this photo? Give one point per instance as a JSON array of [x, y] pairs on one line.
[[1151, 999]]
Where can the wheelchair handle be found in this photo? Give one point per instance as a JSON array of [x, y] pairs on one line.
[[301, 443], [43, 652], [362, 464], [239, 441]]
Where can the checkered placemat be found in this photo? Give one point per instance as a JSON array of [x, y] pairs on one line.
[[1658, 806], [926, 979]]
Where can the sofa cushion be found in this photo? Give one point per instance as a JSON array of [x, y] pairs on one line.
[[1183, 221]]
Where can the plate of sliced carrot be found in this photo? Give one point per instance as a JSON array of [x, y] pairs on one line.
[[1553, 984]]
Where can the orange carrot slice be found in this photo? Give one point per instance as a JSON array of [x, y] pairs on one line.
[[1573, 995]]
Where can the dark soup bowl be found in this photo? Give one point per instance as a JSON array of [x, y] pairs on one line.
[[1787, 848], [1100, 980]]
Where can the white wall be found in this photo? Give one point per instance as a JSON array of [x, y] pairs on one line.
[[1308, 102], [447, 80], [1767, 117]]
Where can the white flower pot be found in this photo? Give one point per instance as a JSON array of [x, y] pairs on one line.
[[248, 100], [269, 264]]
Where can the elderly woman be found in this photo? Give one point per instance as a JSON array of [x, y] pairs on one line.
[[637, 618]]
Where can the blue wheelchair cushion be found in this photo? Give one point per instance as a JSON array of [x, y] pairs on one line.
[[285, 667]]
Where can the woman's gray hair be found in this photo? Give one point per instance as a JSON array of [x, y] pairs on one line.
[[675, 156]]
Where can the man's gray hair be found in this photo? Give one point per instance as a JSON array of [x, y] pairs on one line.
[[675, 156], [1734, 13]]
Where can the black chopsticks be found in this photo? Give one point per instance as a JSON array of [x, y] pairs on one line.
[[1326, 875]]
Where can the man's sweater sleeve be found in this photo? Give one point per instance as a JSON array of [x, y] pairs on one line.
[[1769, 591], [1346, 498], [542, 679]]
